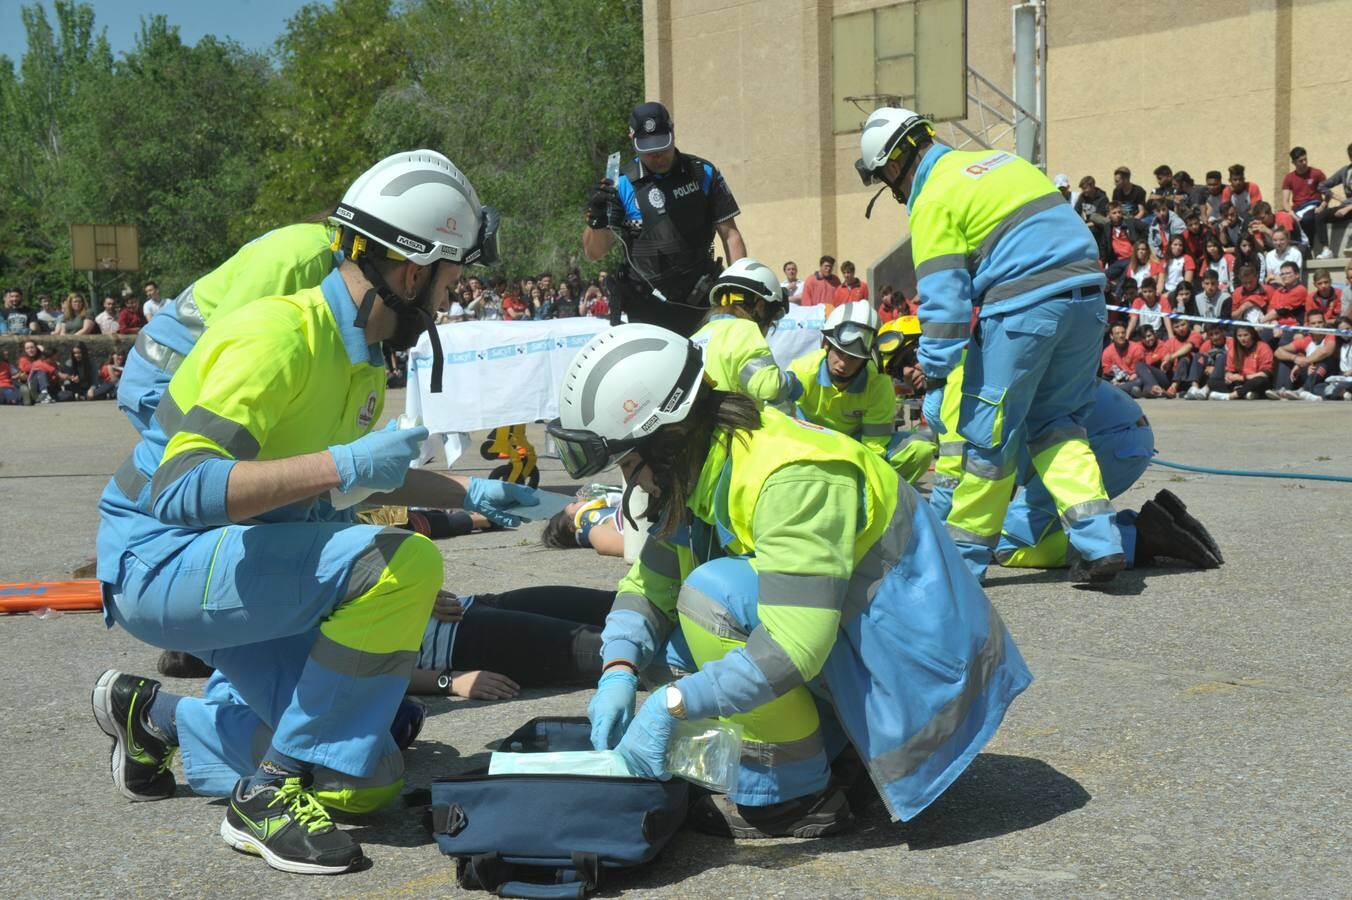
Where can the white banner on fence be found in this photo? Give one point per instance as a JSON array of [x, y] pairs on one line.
[[504, 373]]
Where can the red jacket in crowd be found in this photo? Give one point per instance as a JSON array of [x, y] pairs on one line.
[[6, 374], [1330, 304], [848, 294], [1257, 359], [130, 320], [1290, 303], [1259, 298], [818, 290], [1124, 360]]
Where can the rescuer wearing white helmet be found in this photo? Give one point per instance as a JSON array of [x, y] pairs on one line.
[[990, 232], [790, 558], [745, 303], [845, 389], [214, 538]]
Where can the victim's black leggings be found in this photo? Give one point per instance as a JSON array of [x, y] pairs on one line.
[[536, 636]]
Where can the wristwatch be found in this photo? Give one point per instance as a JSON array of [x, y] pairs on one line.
[[675, 702], [932, 383]]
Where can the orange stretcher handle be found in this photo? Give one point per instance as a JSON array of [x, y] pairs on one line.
[[26, 596]]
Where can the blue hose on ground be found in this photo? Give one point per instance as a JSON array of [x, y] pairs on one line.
[[1247, 473]]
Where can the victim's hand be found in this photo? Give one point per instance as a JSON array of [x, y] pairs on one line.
[[447, 608]]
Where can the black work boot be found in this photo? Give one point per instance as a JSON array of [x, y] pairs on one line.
[[1178, 511], [1096, 571], [1159, 535], [816, 815]]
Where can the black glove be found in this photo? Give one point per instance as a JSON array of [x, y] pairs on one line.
[[604, 209]]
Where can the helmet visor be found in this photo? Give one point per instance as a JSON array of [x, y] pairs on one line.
[[585, 453], [485, 251], [852, 338]]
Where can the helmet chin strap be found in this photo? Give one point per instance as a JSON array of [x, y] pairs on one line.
[[900, 195], [402, 308]]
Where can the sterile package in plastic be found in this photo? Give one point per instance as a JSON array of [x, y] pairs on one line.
[[602, 763], [706, 752]]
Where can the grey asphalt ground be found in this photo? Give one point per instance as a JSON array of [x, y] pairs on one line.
[[1187, 734]]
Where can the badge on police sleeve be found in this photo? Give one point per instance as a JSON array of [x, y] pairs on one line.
[[657, 198], [367, 413]]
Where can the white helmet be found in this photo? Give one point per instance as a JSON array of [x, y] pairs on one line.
[[851, 328], [622, 386], [891, 132], [743, 276], [420, 206]]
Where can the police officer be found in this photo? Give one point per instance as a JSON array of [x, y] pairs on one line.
[[666, 208], [989, 230]]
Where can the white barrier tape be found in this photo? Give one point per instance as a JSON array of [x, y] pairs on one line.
[[1269, 325]]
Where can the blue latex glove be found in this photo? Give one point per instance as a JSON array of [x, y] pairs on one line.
[[934, 401], [379, 460], [612, 707], [644, 747], [492, 498]]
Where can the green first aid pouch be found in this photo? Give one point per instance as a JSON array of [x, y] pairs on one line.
[[551, 835]]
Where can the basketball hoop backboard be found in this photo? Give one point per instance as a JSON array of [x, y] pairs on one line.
[[906, 54], [105, 248]]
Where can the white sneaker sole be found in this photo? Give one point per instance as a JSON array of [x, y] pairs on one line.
[[245, 842]]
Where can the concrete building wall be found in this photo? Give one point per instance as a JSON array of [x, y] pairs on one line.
[[749, 86]]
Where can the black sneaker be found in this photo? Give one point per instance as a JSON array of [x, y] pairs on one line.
[[140, 760], [816, 815], [284, 823]]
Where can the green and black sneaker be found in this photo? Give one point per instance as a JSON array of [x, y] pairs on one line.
[[283, 822], [140, 759]]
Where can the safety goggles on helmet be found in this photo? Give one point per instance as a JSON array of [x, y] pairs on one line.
[[485, 249], [853, 339]]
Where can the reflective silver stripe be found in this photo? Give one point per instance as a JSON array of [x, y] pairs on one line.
[[1086, 510], [810, 591], [902, 761], [915, 437], [751, 368], [948, 481], [129, 479], [661, 559], [1007, 289], [883, 556], [346, 661], [187, 312], [371, 563], [773, 661], [1057, 436], [157, 354], [657, 620], [963, 536], [168, 415], [941, 263], [713, 617], [176, 467], [989, 471], [951, 448], [782, 752], [231, 436], [1012, 221], [943, 331], [876, 429]]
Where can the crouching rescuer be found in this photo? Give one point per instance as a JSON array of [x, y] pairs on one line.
[[823, 606], [216, 537]]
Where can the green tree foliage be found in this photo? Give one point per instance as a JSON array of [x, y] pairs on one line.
[[203, 147], [336, 62], [529, 97]]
